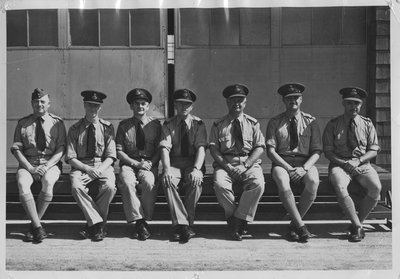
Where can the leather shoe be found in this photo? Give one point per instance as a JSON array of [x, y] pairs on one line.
[[292, 235], [85, 232], [237, 224], [176, 234], [185, 234], [243, 230], [192, 233], [304, 234], [98, 234], [39, 234], [142, 230], [29, 234], [357, 234]]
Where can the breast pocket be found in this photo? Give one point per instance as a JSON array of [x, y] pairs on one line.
[[305, 139], [28, 136], [225, 142]]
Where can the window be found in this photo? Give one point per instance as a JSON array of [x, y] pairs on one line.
[[324, 26], [225, 27], [110, 27], [27, 28]]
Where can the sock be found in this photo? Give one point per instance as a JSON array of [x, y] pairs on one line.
[[306, 200], [367, 205], [42, 203], [28, 203], [350, 210], [289, 204]]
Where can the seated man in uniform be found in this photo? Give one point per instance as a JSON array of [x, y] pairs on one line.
[[137, 143], [91, 153], [236, 144], [183, 145], [39, 144], [294, 145], [350, 143]]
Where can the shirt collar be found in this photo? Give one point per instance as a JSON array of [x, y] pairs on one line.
[[240, 118], [145, 119]]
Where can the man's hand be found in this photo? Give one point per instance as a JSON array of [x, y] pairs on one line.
[[237, 171], [296, 174], [351, 165], [86, 179], [166, 179], [196, 177], [145, 165], [42, 169], [94, 173]]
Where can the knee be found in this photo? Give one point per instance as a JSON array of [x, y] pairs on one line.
[[375, 191]]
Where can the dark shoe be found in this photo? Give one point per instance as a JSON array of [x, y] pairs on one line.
[[85, 232], [243, 230], [185, 234], [357, 234], [98, 234], [292, 235], [29, 234], [142, 230], [39, 234], [192, 233], [237, 224], [176, 234], [304, 234]]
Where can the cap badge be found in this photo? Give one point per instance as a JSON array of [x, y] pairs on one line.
[[94, 97]]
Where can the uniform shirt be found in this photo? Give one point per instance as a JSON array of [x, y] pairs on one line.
[[25, 136], [171, 135], [77, 139], [126, 137], [335, 136], [221, 135], [309, 135]]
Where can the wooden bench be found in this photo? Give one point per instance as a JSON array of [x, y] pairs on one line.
[[64, 207]]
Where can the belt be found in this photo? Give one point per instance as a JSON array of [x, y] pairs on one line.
[[294, 156], [242, 154], [92, 160]]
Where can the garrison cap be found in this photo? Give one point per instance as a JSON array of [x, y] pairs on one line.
[[38, 93], [92, 96], [353, 93], [184, 95], [291, 89], [235, 90], [138, 93]]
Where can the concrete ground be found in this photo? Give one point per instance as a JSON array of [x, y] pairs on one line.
[[263, 249]]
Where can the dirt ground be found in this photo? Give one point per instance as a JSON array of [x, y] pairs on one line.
[[264, 249]]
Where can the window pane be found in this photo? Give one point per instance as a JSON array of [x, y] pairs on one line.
[[114, 27], [145, 27], [84, 27], [225, 27], [16, 28], [255, 26], [354, 25], [195, 26], [43, 28], [296, 26], [326, 26]]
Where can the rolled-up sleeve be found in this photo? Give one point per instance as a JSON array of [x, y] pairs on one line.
[[166, 138], [316, 142], [17, 144], [270, 135], [258, 138], [110, 150], [372, 143], [328, 138], [119, 139], [72, 139], [201, 136], [213, 140]]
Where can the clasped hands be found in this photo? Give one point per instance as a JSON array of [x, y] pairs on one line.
[[296, 174], [195, 178], [38, 172], [352, 166]]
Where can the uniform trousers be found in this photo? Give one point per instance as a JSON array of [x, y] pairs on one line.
[[252, 184], [131, 183], [25, 180], [182, 212], [95, 209]]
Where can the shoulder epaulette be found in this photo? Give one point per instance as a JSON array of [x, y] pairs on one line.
[[278, 116], [252, 119], [24, 118], [77, 124], [105, 122], [307, 115], [197, 119], [367, 119], [55, 116], [124, 121], [216, 122]]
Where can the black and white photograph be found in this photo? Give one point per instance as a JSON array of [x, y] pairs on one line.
[[200, 140]]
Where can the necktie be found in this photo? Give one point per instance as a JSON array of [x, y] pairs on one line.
[[294, 140], [184, 139], [237, 134], [140, 139], [40, 137], [351, 135], [91, 141]]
